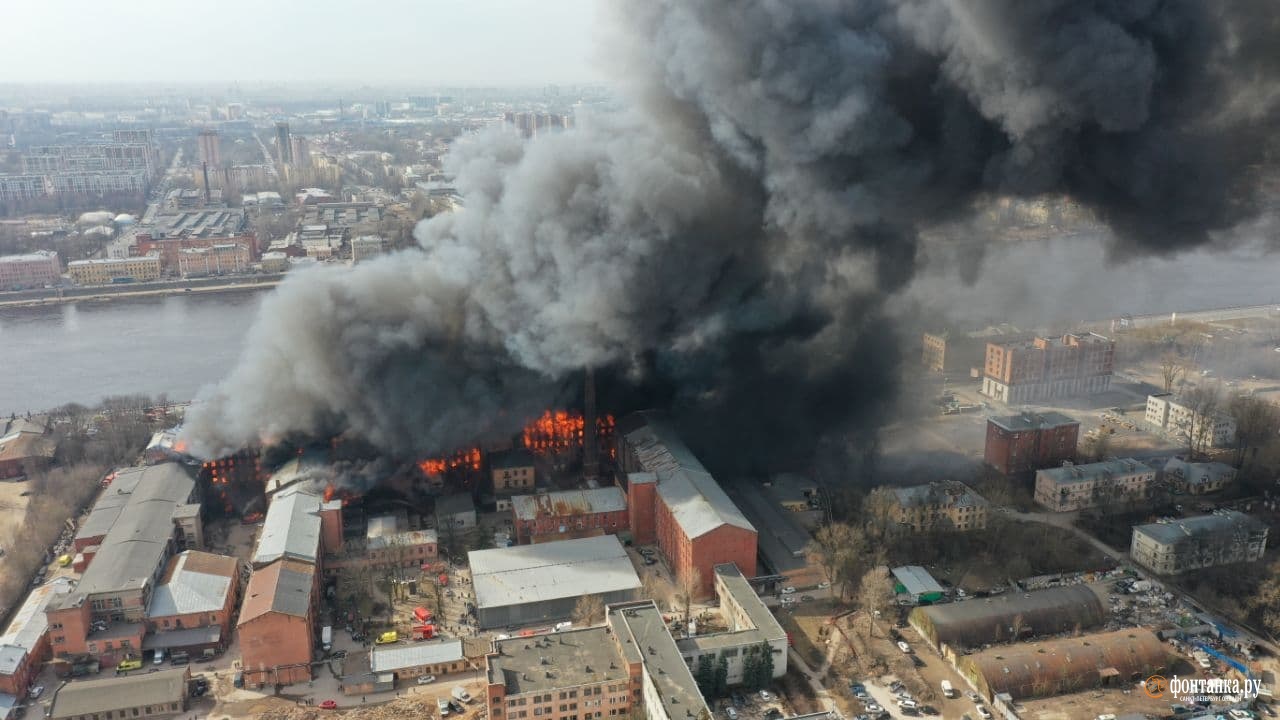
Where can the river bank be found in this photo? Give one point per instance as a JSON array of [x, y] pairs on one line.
[[105, 293]]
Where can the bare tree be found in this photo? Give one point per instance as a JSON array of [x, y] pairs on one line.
[[589, 610], [1257, 423], [1203, 402], [1017, 626], [688, 588], [1173, 367], [840, 550], [1097, 446], [656, 590], [875, 592]]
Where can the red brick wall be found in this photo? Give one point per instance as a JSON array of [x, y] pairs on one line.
[[726, 543], [75, 626], [331, 530], [641, 502], [18, 682], [609, 523], [1012, 452], [274, 640]]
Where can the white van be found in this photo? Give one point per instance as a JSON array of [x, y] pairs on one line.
[[947, 690], [442, 706], [731, 713], [159, 658], [460, 694]]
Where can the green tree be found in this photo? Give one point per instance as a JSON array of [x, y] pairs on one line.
[[750, 668], [765, 669], [721, 676], [705, 675]]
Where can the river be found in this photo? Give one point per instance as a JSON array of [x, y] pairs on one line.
[[81, 352]]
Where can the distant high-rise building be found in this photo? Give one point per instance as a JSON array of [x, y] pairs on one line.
[[284, 144], [300, 153], [210, 149]]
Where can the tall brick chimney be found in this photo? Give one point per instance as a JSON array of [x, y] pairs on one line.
[[590, 441]]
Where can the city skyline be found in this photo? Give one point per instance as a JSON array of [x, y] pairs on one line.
[[484, 42]]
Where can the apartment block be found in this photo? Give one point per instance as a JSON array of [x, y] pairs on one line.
[[750, 625], [1199, 542], [1045, 368], [1030, 441], [220, 259], [939, 506], [1167, 414], [105, 271], [1075, 487]]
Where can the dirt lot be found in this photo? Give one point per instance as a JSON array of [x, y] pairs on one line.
[[13, 507]]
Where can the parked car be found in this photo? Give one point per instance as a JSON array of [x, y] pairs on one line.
[[824, 585], [387, 637], [128, 664], [460, 694], [766, 695], [426, 679], [904, 647], [730, 713], [806, 598], [456, 707], [329, 705], [983, 712], [973, 696], [37, 691], [788, 590]]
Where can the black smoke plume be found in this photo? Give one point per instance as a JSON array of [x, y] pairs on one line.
[[725, 244]]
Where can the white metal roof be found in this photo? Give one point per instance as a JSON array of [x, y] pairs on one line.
[[696, 500], [291, 528], [396, 657], [189, 591], [28, 624], [569, 502], [916, 580], [551, 571]]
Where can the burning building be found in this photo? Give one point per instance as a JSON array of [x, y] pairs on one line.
[[233, 483]]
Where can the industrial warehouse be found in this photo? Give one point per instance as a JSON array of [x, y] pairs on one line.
[[1005, 618], [1066, 665], [537, 583]]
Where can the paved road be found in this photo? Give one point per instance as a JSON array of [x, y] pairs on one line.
[[1066, 522]]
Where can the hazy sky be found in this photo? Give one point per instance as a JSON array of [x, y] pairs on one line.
[[428, 42]]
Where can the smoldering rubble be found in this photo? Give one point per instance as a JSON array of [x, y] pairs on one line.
[[724, 244]]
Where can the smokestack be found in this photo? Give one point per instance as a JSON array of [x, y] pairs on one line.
[[590, 452], [204, 168]]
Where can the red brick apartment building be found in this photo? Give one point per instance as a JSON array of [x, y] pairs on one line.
[[1045, 368], [569, 514], [693, 521], [1030, 441], [277, 629], [192, 607]]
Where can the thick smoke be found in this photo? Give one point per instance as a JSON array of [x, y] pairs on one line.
[[724, 245]]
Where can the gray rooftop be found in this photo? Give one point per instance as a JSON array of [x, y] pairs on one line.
[[916, 580], [507, 459], [28, 624], [781, 538], [546, 662], [569, 502], [108, 507], [761, 625], [1195, 473], [396, 657], [696, 500], [1204, 525], [1033, 421], [948, 494], [90, 697], [291, 528], [454, 504], [194, 586], [1068, 474], [551, 571], [131, 554], [644, 637]]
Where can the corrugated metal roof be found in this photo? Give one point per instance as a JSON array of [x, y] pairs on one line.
[[979, 621], [284, 586], [569, 502], [198, 582], [391, 658], [132, 550], [1066, 665], [551, 571], [916, 580], [696, 500], [29, 624], [291, 528], [88, 697]]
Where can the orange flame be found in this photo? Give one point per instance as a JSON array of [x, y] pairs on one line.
[[463, 459], [561, 431], [329, 491]]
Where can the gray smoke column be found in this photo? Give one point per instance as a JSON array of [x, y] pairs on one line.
[[725, 243]]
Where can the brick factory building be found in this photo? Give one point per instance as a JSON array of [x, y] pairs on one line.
[[693, 521], [141, 520], [160, 694], [1046, 368], [277, 624], [24, 646], [192, 607], [277, 619], [25, 446], [569, 514], [170, 234], [1030, 441], [32, 270]]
